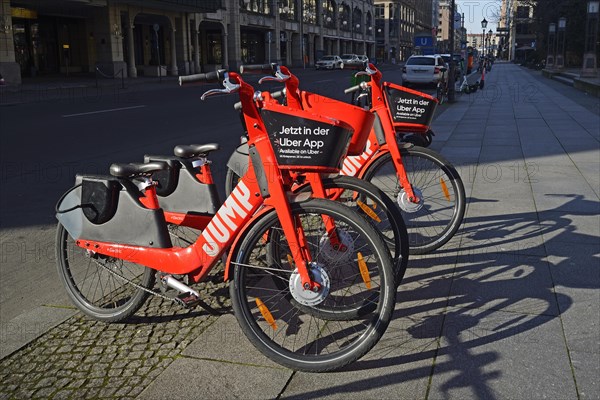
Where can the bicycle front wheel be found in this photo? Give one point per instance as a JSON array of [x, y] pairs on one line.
[[376, 207], [104, 288], [432, 221], [300, 329]]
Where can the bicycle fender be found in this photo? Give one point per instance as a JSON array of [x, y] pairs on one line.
[[237, 242], [238, 161]]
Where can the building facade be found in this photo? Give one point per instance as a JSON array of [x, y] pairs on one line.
[[176, 37], [517, 37], [397, 24]]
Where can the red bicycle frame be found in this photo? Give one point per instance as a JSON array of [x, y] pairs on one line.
[[232, 218], [358, 165]]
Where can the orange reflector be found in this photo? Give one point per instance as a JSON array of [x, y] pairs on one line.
[[290, 261], [368, 210], [364, 271], [266, 313], [445, 189]]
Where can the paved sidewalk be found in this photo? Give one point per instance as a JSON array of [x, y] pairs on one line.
[[509, 309]]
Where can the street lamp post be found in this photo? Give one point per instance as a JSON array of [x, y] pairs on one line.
[[490, 33], [560, 43], [451, 88], [483, 26], [590, 63], [550, 57]]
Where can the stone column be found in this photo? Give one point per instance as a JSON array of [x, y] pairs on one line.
[[173, 69], [196, 44], [296, 48], [311, 49], [9, 68], [232, 51], [225, 47], [131, 69]]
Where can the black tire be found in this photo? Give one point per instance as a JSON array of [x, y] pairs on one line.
[[231, 179], [440, 93], [376, 203], [94, 290], [298, 338], [443, 196], [183, 236]]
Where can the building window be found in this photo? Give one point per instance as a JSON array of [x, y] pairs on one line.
[[287, 9], [522, 12], [379, 11], [329, 13], [310, 11], [257, 6], [344, 13], [213, 39], [523, 29]]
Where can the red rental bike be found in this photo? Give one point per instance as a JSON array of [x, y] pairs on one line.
[[301, 298], [424, 185], [362, 196]]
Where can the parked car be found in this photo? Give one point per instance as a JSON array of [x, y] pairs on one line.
[[428, 69], [349, 58], [354, 61], [329, 62], [363, 59]]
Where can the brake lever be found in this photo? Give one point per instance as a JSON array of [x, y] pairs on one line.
[[367, 71], [279, 77], [229, 87]]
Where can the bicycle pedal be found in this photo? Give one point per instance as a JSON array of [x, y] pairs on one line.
[[188, 300]]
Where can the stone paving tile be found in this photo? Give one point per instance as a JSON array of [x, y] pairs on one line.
[[400, 363], [87, 359], [29, 326], [585, 366], [561, 229], [501, 355], [225, 341], [512, 229], [190, 378], [496, 280]]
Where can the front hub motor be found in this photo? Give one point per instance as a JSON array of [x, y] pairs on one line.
[[308, 297], [341, 252], [407, 205]]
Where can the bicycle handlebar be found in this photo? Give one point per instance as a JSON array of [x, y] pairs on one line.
[[209, 77], [352, 89], [238, 106], [263, 69], [356, 66]]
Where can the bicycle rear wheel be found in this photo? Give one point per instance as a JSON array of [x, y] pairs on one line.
[[101, 287], [299, 329], [436, 218]]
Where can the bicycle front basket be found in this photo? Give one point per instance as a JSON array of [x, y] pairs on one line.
[[359, 119], [304, 141], [411, 111]]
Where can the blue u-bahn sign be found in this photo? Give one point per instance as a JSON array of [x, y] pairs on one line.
[[423, 41], [424, 44]]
